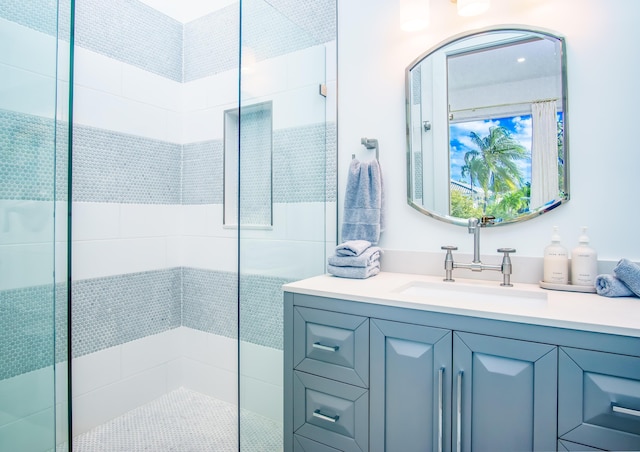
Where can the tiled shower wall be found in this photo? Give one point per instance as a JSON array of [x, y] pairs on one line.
[[150, 252]]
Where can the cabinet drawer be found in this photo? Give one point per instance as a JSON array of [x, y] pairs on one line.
[[331, 345], [333, 413], [599, 399], [302, 444], [564, 446]]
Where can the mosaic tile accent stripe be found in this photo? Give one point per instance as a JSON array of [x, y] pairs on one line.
[[202, 176], [331, 170], [116, 167], [210, 305], [300, 164], [26, 157], [40, 15], [209, 301], [131, 32], [316, 18], [117, 309], [261, 316], [211, 44], [26, 335]]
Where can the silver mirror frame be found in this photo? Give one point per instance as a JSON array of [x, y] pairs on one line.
[[464, 35]]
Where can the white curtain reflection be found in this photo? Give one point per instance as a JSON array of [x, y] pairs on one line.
[[544, 154]]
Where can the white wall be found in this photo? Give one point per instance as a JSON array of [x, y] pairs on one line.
[[601, 39]]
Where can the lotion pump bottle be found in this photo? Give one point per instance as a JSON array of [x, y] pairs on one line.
[[556, 261], [584, 262]]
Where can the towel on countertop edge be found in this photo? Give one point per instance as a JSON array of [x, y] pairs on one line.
[[629, 273], [610, 286], [363, 203], [366, 258], [352, 248], [354, 272]]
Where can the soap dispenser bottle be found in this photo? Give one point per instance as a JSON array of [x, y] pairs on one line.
[[556, 261], [584, 262]]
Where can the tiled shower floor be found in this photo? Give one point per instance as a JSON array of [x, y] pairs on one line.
[[182, 421]]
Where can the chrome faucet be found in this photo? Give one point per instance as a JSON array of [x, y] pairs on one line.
[[476, 265]]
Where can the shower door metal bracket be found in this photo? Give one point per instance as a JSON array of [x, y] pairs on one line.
[[323, 90]]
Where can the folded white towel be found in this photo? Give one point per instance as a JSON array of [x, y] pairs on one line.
[[352, 247], [354, 272], [366, 258]]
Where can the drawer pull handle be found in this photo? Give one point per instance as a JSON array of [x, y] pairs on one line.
[[440, 407], [623, 410], [459, 412], [326, 348], [325, 417]]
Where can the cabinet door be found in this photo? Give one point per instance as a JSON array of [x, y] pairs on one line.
[[410, 386], [506, 390], [599, 399]]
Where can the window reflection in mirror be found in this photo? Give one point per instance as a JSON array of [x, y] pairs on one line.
[[486, 116]]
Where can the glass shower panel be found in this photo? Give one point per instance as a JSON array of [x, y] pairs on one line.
[[34, 93], [283, 63]]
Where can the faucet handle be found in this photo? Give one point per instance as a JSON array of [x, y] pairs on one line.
[[448, 262], [506, 266]]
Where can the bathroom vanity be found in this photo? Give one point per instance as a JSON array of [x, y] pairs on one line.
[[404, 362]]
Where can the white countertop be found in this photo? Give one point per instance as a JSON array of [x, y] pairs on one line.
[[487, 299]]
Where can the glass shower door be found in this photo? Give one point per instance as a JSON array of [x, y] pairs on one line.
[[34, 68], [284, 199]]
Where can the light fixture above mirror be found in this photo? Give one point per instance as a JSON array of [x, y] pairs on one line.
[[472, 7]]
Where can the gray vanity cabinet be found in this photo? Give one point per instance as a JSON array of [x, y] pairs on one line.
[[364, 377], [410, 387], [440, 382], [506, 390]]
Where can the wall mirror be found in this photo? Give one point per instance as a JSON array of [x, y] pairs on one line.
[[486, 126]]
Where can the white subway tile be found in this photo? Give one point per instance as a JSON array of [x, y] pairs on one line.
[[149, 220], [94, 259], [35, 432], [261, 363], [262, 398], [28, 49], [211, 253], [27, 92], [95, 221], [150, 351], [95, 71], [295, 260], [298, 107], [95, 370], [211, 380], [99, 406], [26, 265], [26, 394], [306, 67], [152, 89], [26, 222], [211, 349]]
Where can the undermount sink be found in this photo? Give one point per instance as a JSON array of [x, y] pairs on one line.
[[475, 293]]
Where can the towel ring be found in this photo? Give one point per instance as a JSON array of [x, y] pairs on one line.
[[369, 143]]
